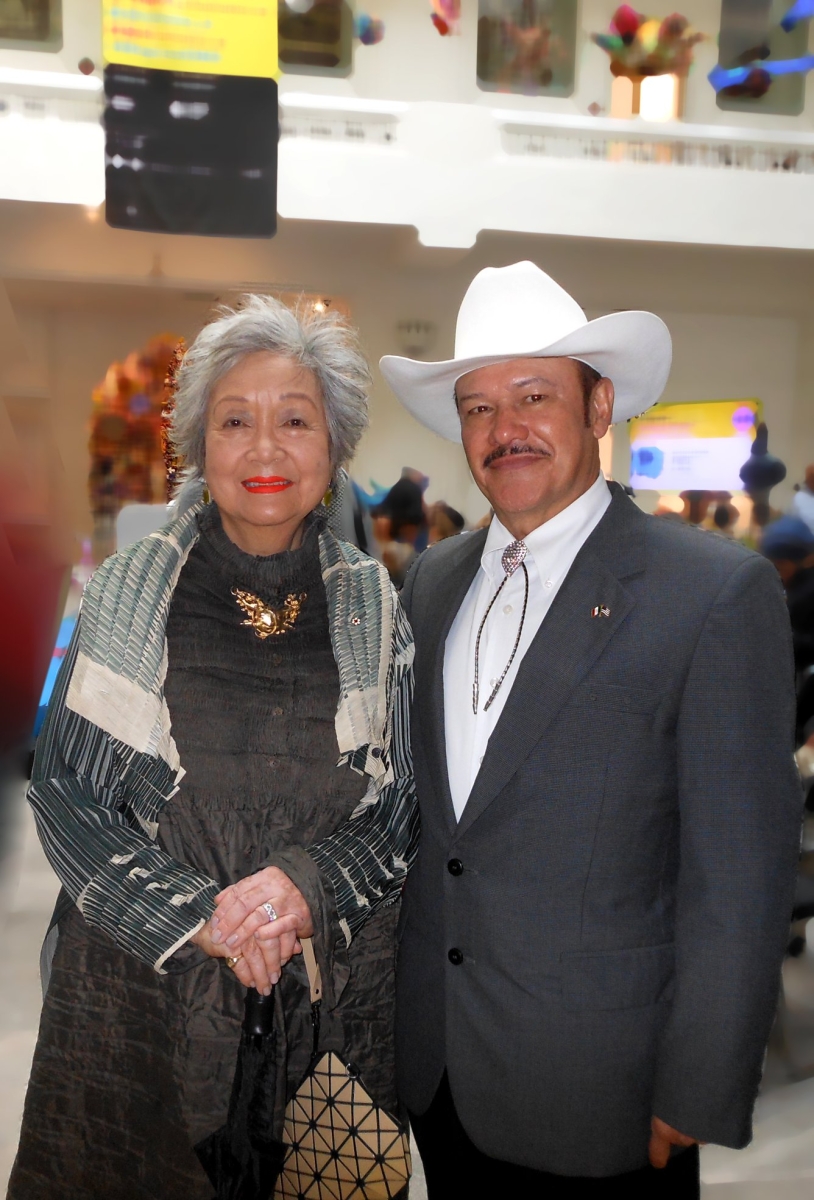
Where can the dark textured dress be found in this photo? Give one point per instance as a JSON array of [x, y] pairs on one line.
[[133, 1068]]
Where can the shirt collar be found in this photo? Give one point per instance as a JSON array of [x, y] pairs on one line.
[[546, 541]]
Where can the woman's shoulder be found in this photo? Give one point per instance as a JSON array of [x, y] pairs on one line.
[[140, 573], [337, 552], [355, 582]]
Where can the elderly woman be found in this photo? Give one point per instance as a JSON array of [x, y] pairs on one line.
[[223, 773]]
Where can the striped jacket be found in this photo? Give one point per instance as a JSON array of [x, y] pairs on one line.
[[106, 763]]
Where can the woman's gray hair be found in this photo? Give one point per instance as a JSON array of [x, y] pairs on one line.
[[321, 341]]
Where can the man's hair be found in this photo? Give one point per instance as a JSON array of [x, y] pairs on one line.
[[589, 379]]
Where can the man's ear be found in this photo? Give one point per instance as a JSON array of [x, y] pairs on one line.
[[601, 408]]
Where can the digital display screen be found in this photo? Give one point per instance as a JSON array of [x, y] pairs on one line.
[[693, 447]]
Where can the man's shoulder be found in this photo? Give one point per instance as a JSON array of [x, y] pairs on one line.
[[699, 553], [446, 555]]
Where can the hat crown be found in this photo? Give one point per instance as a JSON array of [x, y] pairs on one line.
[[514, 311]]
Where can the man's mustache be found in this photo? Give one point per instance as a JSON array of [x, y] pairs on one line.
[[502, 451]]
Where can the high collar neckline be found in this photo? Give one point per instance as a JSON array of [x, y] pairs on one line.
[[266, 573]]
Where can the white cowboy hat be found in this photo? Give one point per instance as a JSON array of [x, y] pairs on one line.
[[520, 312]]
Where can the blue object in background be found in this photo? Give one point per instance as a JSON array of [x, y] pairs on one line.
[[722, 77], [66, 628], [648, 461], [803, 10]]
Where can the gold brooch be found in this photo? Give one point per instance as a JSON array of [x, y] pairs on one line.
[[265, 620]]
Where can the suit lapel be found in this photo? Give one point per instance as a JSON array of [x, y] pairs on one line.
[[448, 595], [568, 643]]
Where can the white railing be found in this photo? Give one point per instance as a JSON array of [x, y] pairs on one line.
[[679, 145], [360, 130], [354, 121], [347, 119]]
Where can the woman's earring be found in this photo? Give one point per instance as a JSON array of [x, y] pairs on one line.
[[206, 496]]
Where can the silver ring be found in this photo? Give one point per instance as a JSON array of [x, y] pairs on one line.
[[268, 909]]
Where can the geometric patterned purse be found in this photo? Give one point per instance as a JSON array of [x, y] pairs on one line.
[[341, 1146]]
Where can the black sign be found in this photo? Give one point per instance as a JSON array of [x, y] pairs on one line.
[[188, 153]]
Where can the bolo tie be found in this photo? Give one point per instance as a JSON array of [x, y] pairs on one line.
[[511, 559]]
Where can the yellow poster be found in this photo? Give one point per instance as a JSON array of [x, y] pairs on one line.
[[211, 37]]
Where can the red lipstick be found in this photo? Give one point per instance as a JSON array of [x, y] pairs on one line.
[[266, 485]]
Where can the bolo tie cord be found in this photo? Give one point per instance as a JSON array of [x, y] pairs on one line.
[[496, 689]]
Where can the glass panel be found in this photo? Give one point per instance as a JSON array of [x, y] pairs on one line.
[[748, 29], [316, 37], [527, 46], [31, 24]]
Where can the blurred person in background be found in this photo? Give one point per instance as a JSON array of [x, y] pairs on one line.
[[222, 774], [399, 524], [696, 506], [444, 522], [803, 503], [788, 543], [725, 518], [592, 935]]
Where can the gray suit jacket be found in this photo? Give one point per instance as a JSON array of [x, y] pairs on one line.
[[628, 855]]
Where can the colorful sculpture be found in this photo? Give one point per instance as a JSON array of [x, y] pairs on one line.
[[127, 462], [639, 46]]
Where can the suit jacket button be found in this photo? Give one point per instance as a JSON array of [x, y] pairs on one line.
[[455, 866], [455, 956]]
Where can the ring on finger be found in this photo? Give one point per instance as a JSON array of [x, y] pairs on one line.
[[232, 962], [270, 911]]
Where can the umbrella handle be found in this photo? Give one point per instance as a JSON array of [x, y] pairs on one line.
[[258, 1013]]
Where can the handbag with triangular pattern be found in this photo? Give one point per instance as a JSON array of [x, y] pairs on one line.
[[341, 1145]]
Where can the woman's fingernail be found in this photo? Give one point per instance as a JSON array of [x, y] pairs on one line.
[[216, 937], [275, 978], [267, 991], [213, 921], [231, 941]]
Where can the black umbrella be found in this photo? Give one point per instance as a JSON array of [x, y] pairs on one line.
[[242, 1158]]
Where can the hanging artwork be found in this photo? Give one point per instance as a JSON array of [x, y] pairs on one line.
[[754, 81], [445, 16], [803, 10], [762, 56], [316, 37], [31, 25], [369, 30], [527, 46]]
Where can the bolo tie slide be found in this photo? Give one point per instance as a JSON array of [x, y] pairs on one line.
[[511, 559]]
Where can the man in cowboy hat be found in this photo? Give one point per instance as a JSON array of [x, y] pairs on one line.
[[591, 937]]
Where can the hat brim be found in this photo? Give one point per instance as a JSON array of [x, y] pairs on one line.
[[632, 349]]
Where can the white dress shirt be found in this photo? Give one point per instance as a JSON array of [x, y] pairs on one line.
[[552, 548]]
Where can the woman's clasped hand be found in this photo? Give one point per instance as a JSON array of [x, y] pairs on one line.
[[242, 929]]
